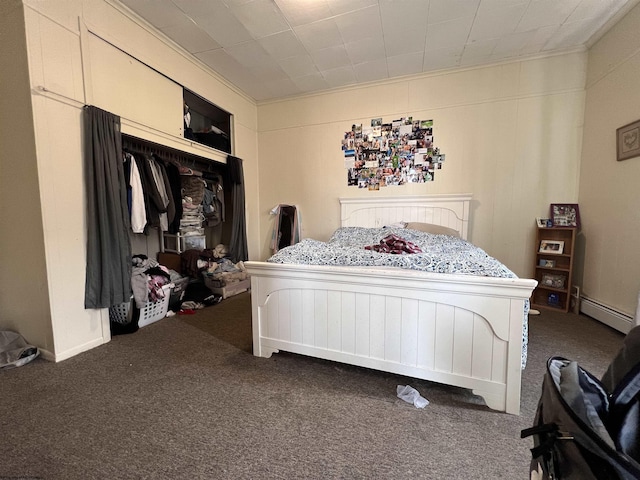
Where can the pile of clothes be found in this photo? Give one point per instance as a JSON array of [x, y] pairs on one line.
[[394, 244], [147, 279], [224, 272]]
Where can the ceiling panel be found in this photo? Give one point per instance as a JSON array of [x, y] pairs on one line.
[[340, 77], [319, 35], [330, 58], [360, 24], [191, 37], [282, 45], [450, 34], [298, 66], [278, 48], [367, 50], [408, 64], [224, 28], [260, 18], [444, 10], [311, 83], [498, 22], [371, 71]]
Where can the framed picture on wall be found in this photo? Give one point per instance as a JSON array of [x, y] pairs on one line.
[[628, 141], [565, 215]]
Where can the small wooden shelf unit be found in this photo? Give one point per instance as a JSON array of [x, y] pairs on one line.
[[554, 282]]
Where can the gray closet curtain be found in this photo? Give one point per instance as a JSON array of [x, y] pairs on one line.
[[108, 277], [238, 244]]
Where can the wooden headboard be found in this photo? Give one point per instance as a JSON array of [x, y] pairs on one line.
[[448, 210]]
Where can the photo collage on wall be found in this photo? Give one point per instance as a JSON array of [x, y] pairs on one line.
[[391, 154]]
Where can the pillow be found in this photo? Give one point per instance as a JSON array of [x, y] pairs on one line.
[[431, 228], [396, 225]]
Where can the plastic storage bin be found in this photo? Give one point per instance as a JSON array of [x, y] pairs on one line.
[[230, 289], [178, 243], [149, 313]]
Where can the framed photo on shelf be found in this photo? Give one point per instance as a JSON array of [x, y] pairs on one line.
[[543, 222], [544, 262], [565, 215], [553, 280], [628, 141], [555, 247]]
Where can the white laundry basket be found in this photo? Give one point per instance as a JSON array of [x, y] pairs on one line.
[[149, 313]]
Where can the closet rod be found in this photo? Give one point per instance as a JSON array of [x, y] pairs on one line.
[[147, 147], [41, 90]]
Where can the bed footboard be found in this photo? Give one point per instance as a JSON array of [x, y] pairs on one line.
[[457, 330]]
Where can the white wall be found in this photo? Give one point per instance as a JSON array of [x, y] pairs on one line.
[[511, 134], [24, 295], [61, 60], [609, 193]]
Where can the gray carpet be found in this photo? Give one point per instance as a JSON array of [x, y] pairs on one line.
[[184, 398]]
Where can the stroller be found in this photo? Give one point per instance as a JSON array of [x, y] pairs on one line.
[[586, 428]]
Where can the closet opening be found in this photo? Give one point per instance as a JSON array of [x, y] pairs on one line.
[[181, 208], [193, 170]]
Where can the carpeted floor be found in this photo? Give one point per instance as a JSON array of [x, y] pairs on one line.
[[184, 398], [230, 321]]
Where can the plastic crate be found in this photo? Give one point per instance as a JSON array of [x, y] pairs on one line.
[[178, 243], [149, 313]]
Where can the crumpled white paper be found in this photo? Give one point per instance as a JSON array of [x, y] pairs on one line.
[[411, 395]]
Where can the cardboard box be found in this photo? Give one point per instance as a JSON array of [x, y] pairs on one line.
[[170, 260]]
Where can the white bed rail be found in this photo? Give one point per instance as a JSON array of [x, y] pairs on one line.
[[453, 329]]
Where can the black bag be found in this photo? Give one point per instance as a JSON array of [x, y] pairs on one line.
[[585, 428]]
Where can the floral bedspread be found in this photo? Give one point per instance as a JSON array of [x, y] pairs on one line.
[[440, 254]]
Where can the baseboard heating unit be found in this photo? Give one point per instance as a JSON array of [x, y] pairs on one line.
[[607, 315]]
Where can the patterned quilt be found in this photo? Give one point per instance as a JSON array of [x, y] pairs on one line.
[[440, 254]]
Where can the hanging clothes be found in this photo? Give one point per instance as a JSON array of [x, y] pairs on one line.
[[153, 202], [238, 250], [166, 187], [287, 228], [137, 209], [162, 191], [175, 186], [213, 203]]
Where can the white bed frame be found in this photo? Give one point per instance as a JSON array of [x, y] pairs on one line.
[[457, 330]]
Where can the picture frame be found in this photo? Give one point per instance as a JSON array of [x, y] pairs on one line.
[[565, 215], [546, 263], [628, 141], [553, 281], [554, 247], [543, 222]]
